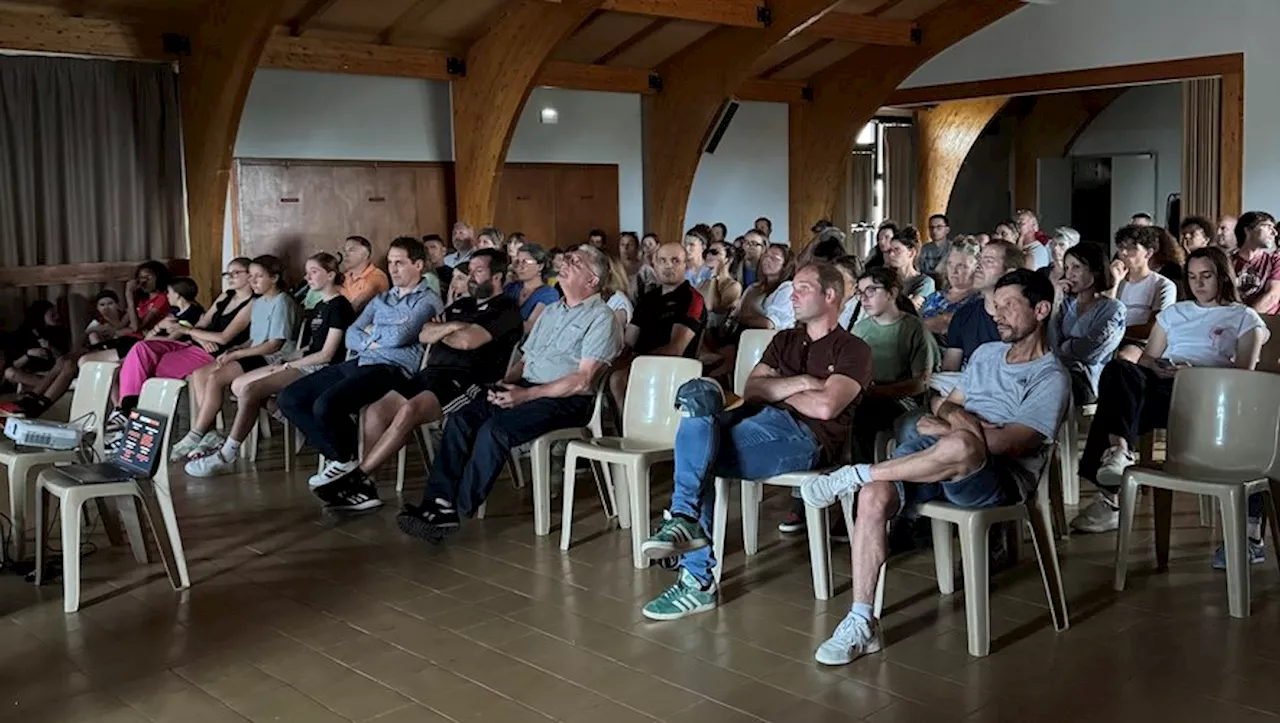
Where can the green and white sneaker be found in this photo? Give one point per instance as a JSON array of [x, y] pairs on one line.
[[685, 597], [676, 536]]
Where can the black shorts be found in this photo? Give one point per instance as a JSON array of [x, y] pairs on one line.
[[252, 363], [453, 389]]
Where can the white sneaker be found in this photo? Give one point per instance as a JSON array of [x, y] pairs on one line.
[[823, 490], [210, 465], [331, 472], [1102, 515], [854, 637], [1114, 462]]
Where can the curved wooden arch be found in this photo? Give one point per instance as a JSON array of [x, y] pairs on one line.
[[487, 99], [1049, 130], [848, 95], [944, 136], [697, 83]]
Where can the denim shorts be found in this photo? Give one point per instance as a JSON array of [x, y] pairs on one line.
[[991, 485]]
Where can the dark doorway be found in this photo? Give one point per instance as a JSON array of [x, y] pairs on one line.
[[1091, 199]]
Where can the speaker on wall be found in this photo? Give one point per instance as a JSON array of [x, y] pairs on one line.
[[721, 126]]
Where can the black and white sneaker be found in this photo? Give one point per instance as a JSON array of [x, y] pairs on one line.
[[431, 521], [357, 495], [329, 491]]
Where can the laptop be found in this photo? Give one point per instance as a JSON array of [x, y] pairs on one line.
[[138, 456]]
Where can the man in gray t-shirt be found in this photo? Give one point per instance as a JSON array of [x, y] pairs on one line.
[[553, 386], [983, 447]]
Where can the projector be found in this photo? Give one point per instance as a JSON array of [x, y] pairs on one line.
[[46, 435]]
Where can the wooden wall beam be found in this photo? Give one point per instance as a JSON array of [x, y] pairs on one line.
[[736, 13], [697, 82], [1231, 152], [847, 95], [944, 136], [226, 42], [1048, 131], [307, 15], [854, 28], [501, 70]]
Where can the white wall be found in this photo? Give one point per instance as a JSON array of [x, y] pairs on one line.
[[1076, 34], [592, 128], [1146, 119], [747, 175]]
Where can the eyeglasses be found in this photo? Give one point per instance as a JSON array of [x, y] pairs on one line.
[[229, 274], [864, 293], [526, 262]]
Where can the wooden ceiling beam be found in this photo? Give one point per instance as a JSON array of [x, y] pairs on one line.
[[633, 40], [734, 13], [411, 18], [307, 15], [865, 29]]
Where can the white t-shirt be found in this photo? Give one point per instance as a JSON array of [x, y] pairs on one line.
[[618, 301], [778, 307], [1039, 254], [1146, 297], [1206, 336]]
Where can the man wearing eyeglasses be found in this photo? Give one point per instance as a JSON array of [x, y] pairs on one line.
[[935, 252], [753, 245], [668, 319], [551, 387]]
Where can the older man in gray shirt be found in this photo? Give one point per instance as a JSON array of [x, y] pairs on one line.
[[552, 387]]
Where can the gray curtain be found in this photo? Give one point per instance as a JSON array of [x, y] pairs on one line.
[[900, 174], [90, 167]]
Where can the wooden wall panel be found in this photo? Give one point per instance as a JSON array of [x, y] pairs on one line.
[[586, 198], [527, 203]]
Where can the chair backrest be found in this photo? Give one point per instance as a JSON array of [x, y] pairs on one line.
[[161, 396], [751, 346], [650, 414], [1225, 420], [92, 395], [1269, 360]]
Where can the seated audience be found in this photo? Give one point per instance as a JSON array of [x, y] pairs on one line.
[[529, 289], [1169, 261], [1007, 231], [273, 320], [668, 320], [552, 387], [719, 232], [1141, 219], [1256, 263], [940, 306], [1225, 237], [109, 319], [464, 242], [322, 343], [903, 252], [436, 253], [799, 408], [639, 270], [850, 267], [973, 324], [984, 447], [884, 235], [35, 349], [1196, 232], [766, 304], [696, 242], [615, 295], [457, 283], [147, 293], [384, 340], [721, 291], [469, 347], [515, 242], [747, 266], [765, 226], [490, 238], [597, 238], [1064, 237], [1143, 292], [939, 247], [1213, 329], [1035, 244], [1087, 327], [362, 280]]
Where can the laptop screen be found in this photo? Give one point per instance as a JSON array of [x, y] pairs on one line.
[[143, 437]]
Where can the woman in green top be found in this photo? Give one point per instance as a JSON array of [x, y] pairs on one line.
[[903, 355]]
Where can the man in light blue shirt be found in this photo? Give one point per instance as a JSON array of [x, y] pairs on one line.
[[383, 350]]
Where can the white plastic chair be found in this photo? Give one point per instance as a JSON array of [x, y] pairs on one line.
[[540, 462], [92, 396], [648, 436], [1222, 443], [751, 346], [160, 396]]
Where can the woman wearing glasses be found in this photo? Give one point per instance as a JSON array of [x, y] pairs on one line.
[[531, 266], [721, 291]]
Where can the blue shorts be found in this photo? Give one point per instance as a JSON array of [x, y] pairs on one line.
[[988, 486]]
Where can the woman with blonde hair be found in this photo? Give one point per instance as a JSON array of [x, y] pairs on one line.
[[940, 306]]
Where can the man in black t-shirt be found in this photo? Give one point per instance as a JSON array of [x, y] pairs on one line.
[[469, 346], [668, 319]]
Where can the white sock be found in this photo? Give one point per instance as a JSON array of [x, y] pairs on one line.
[[866, 611], [229, 449]]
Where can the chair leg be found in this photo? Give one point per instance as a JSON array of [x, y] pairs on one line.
[[1273, 514], [264, 423], [719, 521], [128, 510], [1206, 511], [70, 512], [819, 532], [637, 493], [166, 547], [944, 563], [752, 493], [566, 504], [879, 609], [1162, 507], [289, 446], [1234, 540], [1128, 501], [402, 459], [517, 469], [1057, 492], [540, 459], [1050, 571], [251, 442], [18, 481], [40, 528], [977, 612]]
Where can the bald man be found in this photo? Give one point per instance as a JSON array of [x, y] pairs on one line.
[[668, 319], [1226, 237]]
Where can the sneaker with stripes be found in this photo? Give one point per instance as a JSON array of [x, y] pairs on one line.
[[676, 536], [686, 597]]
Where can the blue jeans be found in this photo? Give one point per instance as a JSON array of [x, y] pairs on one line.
[[984, 487], [762, 444]]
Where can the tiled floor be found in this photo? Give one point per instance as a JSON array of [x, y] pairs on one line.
[[294, 617]]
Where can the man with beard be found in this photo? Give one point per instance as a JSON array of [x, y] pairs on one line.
[[1256, 262], [983, 447], [470, 344]]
